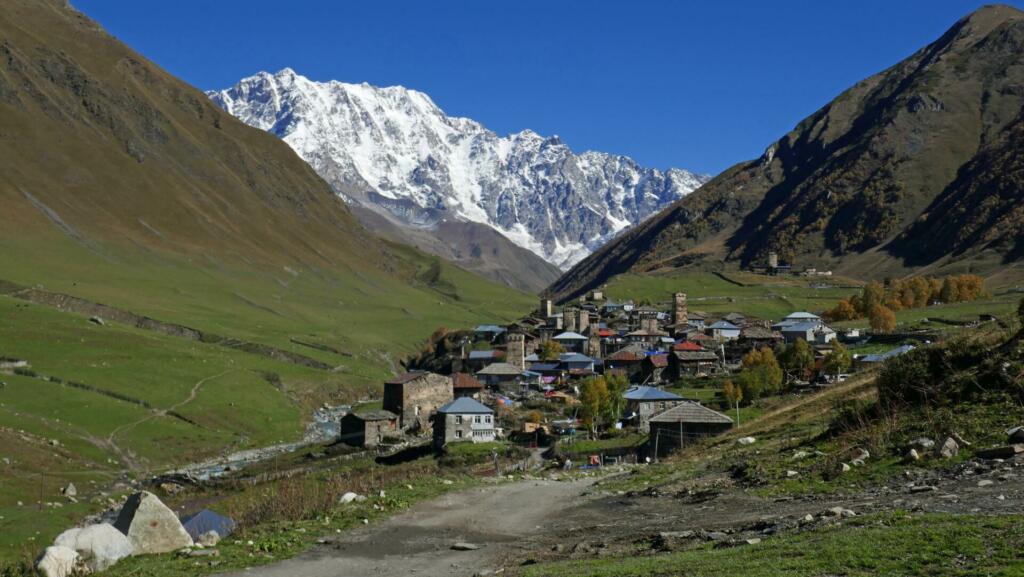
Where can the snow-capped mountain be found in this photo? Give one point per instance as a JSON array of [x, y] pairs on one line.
[[393, 150]]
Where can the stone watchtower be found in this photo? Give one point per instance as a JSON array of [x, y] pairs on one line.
[[515, 353], [547, 308], [582, 321], [773, 260], [679, 312], [569, 319]]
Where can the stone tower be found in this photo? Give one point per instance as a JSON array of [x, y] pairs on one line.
[[679, 312], [582, 321], [569, 318], [515, 354], [594, 346], [773, 260], [547, 308]]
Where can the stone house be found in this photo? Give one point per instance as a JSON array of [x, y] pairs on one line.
[[463, 420], [501, 376], [685, 423], [466, 385], [723, 331], [644, 402], [368, 429], [687, 363], [415, 396], [653, 367]]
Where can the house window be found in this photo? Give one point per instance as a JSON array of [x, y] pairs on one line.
[[476, 419], [458, 419], [458, 433], [488, 417]]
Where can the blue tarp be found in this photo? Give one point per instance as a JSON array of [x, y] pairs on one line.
[[206, 521]]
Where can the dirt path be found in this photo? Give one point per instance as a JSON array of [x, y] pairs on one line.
[[500, 519]]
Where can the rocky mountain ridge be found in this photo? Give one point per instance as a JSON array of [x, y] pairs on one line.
[[394, 151]]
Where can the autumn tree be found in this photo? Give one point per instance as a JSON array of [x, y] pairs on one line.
[[873, 294], [760, 375], [615, 405], [838, 360], [798, 358], [922, 291], [733, 395], [550, 351], [593, 402], [843, 311], [882, 319], [950, 292]]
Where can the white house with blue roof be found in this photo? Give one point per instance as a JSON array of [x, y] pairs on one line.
[[464, 419]]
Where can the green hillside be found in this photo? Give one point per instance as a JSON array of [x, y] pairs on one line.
[[126, 187]]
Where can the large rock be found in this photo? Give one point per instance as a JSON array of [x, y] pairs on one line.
[[59, 561], [99, 545], [151, 526]]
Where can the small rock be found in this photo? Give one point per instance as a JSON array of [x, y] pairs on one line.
[[791, 474], [716, 536], [464, 546], [69, 491], [753, 541], [922, 488], [843, 468], [912, 455], [97, 321], [808, 518], [209, 539], [860, 454], [986, 482], [746, 440], [949, 448], [921, 444], [1015, 435], [348, 498]]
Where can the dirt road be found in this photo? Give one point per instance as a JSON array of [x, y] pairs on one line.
[[501, 519]]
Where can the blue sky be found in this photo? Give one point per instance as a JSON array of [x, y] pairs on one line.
[[697, 85]]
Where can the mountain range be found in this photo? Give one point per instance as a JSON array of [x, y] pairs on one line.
[[394, 153], [916, 168]]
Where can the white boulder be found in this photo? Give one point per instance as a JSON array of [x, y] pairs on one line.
[[60, 562], [99, 545], [746, 440]]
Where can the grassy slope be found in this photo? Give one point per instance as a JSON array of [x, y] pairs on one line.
[[123, 185], [761, 296]]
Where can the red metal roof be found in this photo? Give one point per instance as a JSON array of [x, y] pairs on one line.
[[687, 346]]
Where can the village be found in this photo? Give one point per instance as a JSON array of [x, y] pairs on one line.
[[598, 370]]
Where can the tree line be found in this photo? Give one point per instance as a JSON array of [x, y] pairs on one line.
[[879, 301]]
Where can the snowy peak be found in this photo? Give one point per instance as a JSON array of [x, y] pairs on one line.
[[393, 150]]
